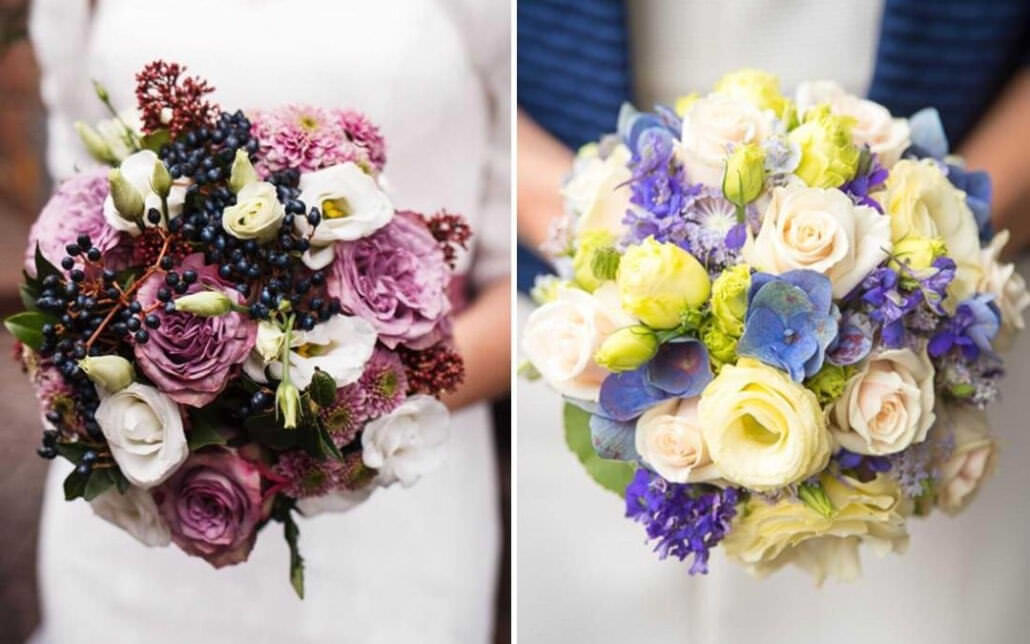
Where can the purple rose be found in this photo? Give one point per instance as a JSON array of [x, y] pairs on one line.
[[191, 358], [396, 279], [77, 208], [213, 506]]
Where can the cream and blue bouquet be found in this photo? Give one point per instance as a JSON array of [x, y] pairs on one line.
[[778, 323]]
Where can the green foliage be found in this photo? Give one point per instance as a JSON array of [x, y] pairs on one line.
[[203, 429], [322, 388], [28, 327]]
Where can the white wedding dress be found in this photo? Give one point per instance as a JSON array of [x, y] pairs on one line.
[[584, 572], [410, 565]]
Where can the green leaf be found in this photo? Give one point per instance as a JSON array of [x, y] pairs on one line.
[[71, 451], [322, 388], [28, 291], [292, 533], [609, 474], [203, 430], [75, 485], [27, 327], [100, 480], [44, 267], [265, 429], [155, 140]]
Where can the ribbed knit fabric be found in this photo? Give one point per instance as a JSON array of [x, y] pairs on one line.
[[954, 55]]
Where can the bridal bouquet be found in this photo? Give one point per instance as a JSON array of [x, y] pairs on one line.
[[232, 322], [780, 323]]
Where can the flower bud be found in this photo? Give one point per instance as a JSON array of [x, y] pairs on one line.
[[204, 303], [160, 180], [101, 92], [127, 200], [113, 373], [917, 253], [590, 243], [627, 348], [729, 298], [95, 144], [828, 383], [287, 402], [744, 177], [722, 347], [242, 171], [814, 496]]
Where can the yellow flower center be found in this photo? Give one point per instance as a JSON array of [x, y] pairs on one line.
[[308, 350], [335, 208], [308, 122]]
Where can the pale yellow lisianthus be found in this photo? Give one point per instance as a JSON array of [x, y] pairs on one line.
[[921, 202], [766, 536], [763, 429], [729, 298], [760, 88], [658, 282], [587, 244], [829, 156]]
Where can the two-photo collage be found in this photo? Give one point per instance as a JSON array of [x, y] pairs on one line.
[[493, 321]]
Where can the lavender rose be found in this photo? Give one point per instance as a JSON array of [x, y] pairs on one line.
[[77, 208], [190, 358], [396, 278], [213, 506]]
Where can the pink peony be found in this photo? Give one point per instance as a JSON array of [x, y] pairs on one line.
[[191, 358], [213, 506], [77, 208]]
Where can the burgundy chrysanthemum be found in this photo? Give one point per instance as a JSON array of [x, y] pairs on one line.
[[306, 476], [384, 383], [434, 371], [167, 99], [347, 414]]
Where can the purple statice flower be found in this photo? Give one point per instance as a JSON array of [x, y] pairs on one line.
[[970, 330], [713, 234], [912, 467], [974, 382], [384, 383], [685, 519], [869, 178], [659, 190]]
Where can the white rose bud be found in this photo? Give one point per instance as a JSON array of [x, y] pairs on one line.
[[257, 213], [243, 173], [669, 439], [144, 430], [204, 303], [136, 513], [408, 442], [113, 373]]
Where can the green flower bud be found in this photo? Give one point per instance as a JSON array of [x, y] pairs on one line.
[[242, 171], [814, 496], [287, 401], [917, 253], [729, 298], [113, 373], [829, 157], [204, 303], [160, 180], [590, 242], [627, 348], [828, 383], [95, 144], [722, 347], [127, 200], [744, 177], [101, 92]]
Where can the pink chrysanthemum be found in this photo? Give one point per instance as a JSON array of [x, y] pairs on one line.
[[384, 383], [347, 415], [306, 476], [310, 138]]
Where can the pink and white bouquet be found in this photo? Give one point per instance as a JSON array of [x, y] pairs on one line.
[[233, 323], [779, 323]]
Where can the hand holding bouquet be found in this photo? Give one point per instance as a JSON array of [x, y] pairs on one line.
[[778, 324], [233, 323]]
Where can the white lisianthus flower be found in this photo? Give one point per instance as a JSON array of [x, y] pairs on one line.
[[257, 213], [971, 460], [820, 230], [408, 442], [352, 205], [137, 169], [712, 127], [136, 513], [144, 430], [887, 405], [561, 338], [669, 439], [886, 136], [1008, 288], [598, 191], [339, 346]]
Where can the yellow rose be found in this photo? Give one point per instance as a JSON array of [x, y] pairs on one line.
[[763, 429], [589, 243], [828, 155], [766, 536], [729, 298], [761, 88], [658, 282], [921, 202]]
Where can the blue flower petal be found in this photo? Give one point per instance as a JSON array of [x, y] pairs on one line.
[[816, 285], [626, 395], [927, 134], [851, 346], [613, 439], [680, 368]]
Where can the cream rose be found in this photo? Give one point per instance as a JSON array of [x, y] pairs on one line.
[[138, 169], [597, 192], [762, 429], [820, 230], [136, 513], [766, 536], [712, 127], [669, 439], [922, 202], [562, 336], [969, 462], [1008, 288], [257, 213], [408, 442], [873, 125], [887, 405], [144, 430]]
